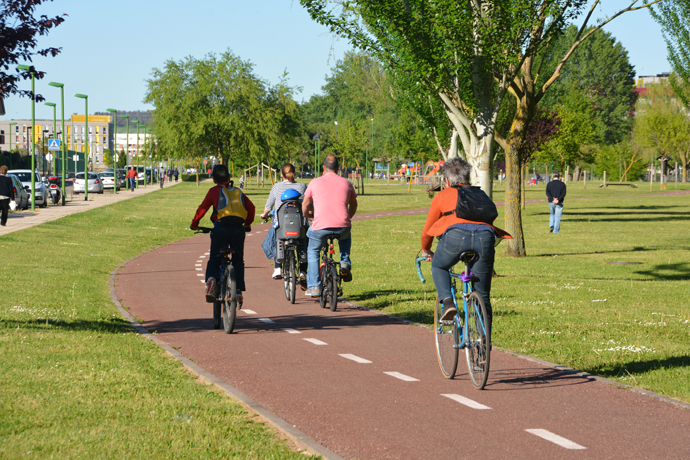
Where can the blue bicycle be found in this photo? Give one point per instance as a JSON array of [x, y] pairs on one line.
[[468, 329]]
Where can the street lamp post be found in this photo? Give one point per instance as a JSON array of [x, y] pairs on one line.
[[86, 134], [136, 122], [32, 70], [371, 147], [145, 179], [317, 139], [64, 147], [126, 143], [114, 152], [43, 140], [54, 106]]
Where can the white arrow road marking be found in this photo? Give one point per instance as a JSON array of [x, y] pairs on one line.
[[290, 331], [554, 438], [249, 312], [356, 359], [316, 341], [267, 320], [400, 376], [466, 401]]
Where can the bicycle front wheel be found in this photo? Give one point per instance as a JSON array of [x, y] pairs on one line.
[[333, 286], [478, 349], [446, 342], [229, 298], [216, 313]]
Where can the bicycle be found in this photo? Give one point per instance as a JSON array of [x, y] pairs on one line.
[[330, 275], [451, 336], [290, 269], [225, 305]]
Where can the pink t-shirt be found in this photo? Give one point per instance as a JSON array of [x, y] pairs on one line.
[[331, 194]]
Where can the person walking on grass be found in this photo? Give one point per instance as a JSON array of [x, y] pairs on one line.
[[555, 192]]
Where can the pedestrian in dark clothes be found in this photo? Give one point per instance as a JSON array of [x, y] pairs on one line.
[[555, 192], [6, 195]]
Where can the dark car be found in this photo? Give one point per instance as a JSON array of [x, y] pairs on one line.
[[307, 175]]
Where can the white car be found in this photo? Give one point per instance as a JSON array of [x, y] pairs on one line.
[[24, 175], [108, 180], [95, 183]]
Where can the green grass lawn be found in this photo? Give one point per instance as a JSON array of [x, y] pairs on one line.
[[78, 382]]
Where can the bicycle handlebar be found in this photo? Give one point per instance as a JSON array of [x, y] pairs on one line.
[[419, 268]]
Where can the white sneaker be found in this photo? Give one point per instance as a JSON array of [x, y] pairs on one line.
[[278, 274]]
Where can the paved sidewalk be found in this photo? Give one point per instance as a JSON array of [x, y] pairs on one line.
[[21, 220]]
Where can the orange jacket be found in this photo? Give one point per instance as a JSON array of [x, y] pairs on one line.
[[437, 223]]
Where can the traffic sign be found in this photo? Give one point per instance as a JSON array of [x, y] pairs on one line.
[[75, 157], [49, 157], [205, 161], [54, 144]]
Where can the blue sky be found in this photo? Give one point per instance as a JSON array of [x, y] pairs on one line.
[[110, 48]]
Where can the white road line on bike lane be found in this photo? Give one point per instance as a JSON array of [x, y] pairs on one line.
[[316, 341], [403, 377], [267, 320], [356, 359], [554, 438], [290, 330], [249, 312], [466, 401]]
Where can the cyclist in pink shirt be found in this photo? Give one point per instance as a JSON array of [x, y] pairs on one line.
[[332, 201]]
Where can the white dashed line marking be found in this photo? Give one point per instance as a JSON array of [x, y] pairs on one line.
[[403, 377], [249, 312], [554, 438], [198, 269], [290, 331], [197, 265], [202, 281], [466, 401], [207, 253], [199, 274], [267, 320], [316, 341], [356, 359], [199, 261]]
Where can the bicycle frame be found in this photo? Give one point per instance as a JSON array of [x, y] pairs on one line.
[[466, 278]]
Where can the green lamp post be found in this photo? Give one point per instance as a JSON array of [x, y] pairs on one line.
[[54, 106], [136, 122], [32, 70], [64, 147], [370, 148], [144, 130], [11, 124], [114, 153], [86, 135]]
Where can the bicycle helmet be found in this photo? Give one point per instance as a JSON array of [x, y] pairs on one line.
[[290, 194]]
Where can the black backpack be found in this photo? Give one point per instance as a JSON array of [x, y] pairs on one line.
[[473, 204]]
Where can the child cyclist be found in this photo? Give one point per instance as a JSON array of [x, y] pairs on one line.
[[233, 214]]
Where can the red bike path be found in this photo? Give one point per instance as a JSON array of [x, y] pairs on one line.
[[367, 386]]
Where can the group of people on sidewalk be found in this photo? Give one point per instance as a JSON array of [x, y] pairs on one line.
[[330, 201]]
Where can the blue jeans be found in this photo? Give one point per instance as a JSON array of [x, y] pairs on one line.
[[555, 212], [451, 244], [317, 240], [132, 183], [222, 236]]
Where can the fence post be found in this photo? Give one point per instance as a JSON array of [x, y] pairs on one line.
[[604, 179]]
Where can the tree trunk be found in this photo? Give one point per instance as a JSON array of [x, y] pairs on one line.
[[512, 206]]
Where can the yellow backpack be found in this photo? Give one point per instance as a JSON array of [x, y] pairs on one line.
[[231, 209]]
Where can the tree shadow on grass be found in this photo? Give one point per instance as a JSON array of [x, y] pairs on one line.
[[668, 272], [640, 367], [620, 251]]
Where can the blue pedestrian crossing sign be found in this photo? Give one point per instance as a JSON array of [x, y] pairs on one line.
[[54, 144]]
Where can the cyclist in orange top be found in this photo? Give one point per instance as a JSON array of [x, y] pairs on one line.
[[233, 215]]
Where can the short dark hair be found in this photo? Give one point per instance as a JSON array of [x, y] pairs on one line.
[[4, 169], [220, 174], [457, 171], [331, 163], [557, 175]]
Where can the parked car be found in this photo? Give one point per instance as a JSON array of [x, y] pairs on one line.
[[21, 195], [307, 175], [121, 178], [108, 178], [24, 175], [95, 183]]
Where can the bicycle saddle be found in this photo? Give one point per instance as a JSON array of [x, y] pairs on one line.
[[469, 257]]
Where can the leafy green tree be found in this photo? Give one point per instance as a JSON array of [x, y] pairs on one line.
[[621, 162], [662, 124], [674, 18], [609, 88], [217, 106]]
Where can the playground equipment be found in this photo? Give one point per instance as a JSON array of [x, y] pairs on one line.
[[272, 174]]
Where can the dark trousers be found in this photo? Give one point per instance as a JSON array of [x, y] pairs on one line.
[[5, 209], [451, 244], [223, 236]]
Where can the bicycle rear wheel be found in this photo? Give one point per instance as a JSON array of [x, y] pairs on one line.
[[479, 341], [229, 298], [446, 342], [292, 277], [325, 285], [333, 285], [216, 313]]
